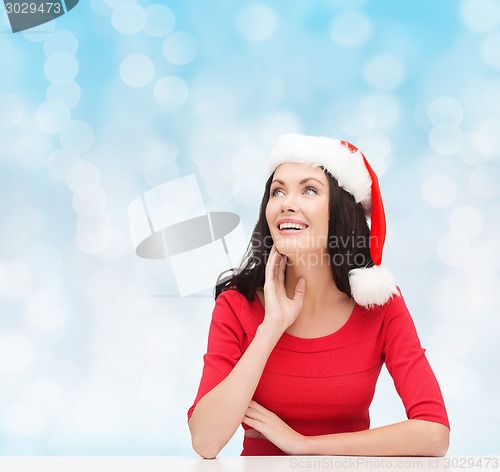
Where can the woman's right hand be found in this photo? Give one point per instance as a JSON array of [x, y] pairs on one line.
[[281, 311]]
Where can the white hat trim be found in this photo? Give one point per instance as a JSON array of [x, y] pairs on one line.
[[346, 166]]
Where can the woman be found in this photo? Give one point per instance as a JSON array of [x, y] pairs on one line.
[[300, 332]]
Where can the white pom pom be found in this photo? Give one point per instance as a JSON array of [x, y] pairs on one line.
[[372, 286]]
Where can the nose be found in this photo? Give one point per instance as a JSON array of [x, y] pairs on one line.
[[288, 204]]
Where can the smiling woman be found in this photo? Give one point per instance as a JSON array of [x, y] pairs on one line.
[[301, 330]]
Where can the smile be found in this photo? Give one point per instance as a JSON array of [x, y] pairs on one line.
[[292, 226]]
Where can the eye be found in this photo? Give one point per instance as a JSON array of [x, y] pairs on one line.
[[310, 191], [276, 192]]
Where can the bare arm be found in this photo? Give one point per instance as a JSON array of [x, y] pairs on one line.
[[218, 414], [408, 438]]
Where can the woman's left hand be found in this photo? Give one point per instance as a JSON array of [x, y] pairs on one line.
[[273, 429]]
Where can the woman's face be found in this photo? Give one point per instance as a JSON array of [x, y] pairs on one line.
[[298, 209]]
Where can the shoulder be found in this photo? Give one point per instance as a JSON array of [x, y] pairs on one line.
[[394, 306], [381, 317], [397, 325], [231, 298], [233, 304]]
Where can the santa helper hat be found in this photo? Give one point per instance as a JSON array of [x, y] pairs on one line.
[[369, 285]]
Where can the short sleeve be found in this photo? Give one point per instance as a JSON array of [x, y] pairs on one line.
[[406, 362], [225, 343]]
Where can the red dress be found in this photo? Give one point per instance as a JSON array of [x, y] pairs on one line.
[[325, 385]]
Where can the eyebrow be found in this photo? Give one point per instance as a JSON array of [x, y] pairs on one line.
[[303, 181]]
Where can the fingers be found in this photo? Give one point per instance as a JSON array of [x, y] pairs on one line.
[[300, 289], [257, 406], [255, 411], [255, 417], [281, 272], [275, 268], [258, 412], [270, 265]]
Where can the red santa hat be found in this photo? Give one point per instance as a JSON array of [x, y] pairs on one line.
[[369, 285]]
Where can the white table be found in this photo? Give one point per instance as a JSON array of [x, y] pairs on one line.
[[246, 464]]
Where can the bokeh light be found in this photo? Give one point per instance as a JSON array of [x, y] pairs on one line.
[[466, 221], [488, 127], [30, 144], [446, 139], [17, 353], [483, 262], [377, 146], [11, 110], [61, 67], [490, 50], [351, 29], [40, 33], [90, 202], [60, 161], [247, 190], [52, 116], [160, 20], [180, 48], [77, 136], [94, 233], [137, 70], [68, 93], [249, 161], [128, 18], [491, 95], [439, 190], [480, 15], [61, 41], [101, 7], [445, 110], [159, 157], [43, 313], [16, 280], [485, 181], [383, 109], [171, 92], [257, 14], [453, 250], [83, 176], [384, 72], [475, 149]]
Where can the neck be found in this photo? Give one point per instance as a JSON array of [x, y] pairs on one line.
[[320, 286]]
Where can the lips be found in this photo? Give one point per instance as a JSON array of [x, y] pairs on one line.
[[290, 225]]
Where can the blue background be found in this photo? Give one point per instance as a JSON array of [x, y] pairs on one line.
[[98, 353]]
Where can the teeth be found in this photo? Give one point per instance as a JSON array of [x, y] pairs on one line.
[[292, 226]]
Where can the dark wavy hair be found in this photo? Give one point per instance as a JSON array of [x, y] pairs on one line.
[[348, 244]]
